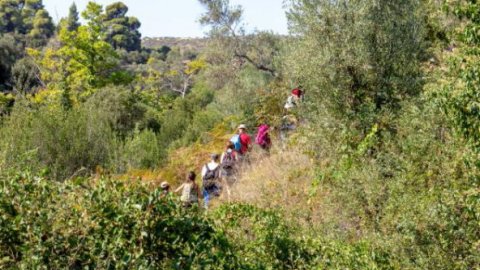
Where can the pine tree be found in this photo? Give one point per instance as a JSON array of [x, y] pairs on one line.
[[72, 22], [29, 11], [42, 29], [10, 16], [122, 31]]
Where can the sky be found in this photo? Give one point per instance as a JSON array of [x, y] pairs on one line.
[[179, 18]]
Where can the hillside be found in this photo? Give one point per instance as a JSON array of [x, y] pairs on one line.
[[351, 143], [186, 44]]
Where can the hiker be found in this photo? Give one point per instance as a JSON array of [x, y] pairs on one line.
[[295, 97], [229, 167], [165, 188], [210, 178], [229, 159], [190, 191], [242, 141], [289, 121], [263, 137]]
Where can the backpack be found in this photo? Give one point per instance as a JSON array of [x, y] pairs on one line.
[[189, 193], [210, 177], [236, 142], [262, 135], [228, 161]]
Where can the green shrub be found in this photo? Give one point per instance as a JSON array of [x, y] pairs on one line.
[[265, 240], [141, 151], [123, 108], [103, 224], [62, 142], [202, 122]]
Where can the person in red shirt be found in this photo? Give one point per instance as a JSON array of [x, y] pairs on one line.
[[245, 139]]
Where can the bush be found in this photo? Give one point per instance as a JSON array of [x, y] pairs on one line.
[[112, 129], [102, 224], [185, 114], [123, 109], [202, 122], [63, 143], [266, 240], [141, 151]]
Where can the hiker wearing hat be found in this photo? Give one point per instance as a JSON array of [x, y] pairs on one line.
[[242, 142], [245, 140], [165, 188], [210, 179]]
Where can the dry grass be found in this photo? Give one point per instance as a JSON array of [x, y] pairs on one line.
[[184, 159], [283, 180]]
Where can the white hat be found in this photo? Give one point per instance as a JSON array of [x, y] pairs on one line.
[[242, 126], [164, 184]]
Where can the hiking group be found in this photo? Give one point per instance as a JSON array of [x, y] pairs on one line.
[[221, 172]]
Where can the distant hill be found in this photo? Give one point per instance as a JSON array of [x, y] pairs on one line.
[[185, 44]]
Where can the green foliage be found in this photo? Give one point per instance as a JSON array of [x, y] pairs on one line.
[[240, 97], [357, 58], [232, 44], [111, 224], [187, 119], [11, 20], [454, 225], [122, 32], [124, 109], [25, 76], [461, 98], [29, 12], [392, 187], [267, 241], [109, 130], [72, 21], [142, 151], [10, 51], [223, 17], [26, 18], [84, 62], [102, 224], [6, 104], [64, 143]]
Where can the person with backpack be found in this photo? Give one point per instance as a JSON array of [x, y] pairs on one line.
[[228, 165], [263, 137], [295, 97], [228, 160], [210, 178], [289, 120], [190, 191], [243, 139]]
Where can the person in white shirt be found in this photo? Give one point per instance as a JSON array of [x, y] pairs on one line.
[[212, 165], [210, 176], [294, 98]]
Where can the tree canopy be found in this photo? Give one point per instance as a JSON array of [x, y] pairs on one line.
[[121, 31]]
